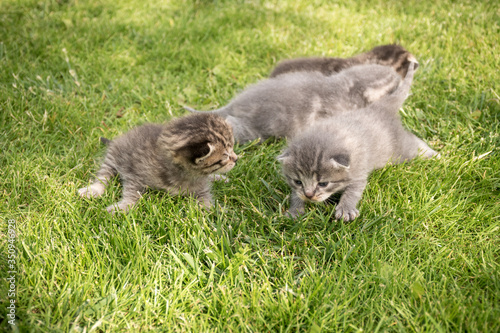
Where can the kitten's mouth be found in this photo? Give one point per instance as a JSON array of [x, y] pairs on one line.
[[312, 199], [225, 168]]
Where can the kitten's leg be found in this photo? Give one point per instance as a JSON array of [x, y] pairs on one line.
[[204, 197], [347, 205], [424, 150], [414, 146], [105, 173], [131, 193], [296, 206]]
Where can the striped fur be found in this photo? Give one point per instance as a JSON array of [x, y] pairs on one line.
[[177, 157]]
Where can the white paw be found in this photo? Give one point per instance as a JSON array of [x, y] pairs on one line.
[[118, 207], [429, 153], [293, 213], [91, 191], [217, 178], [348, 213]]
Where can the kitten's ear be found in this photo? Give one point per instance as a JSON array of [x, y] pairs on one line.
[[205, 152], [284, 156], [194, 152], [340, 161]]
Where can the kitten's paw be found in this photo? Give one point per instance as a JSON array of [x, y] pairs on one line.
[[92, 191], [435, 155], [118, 207], [293, 214], [217, 178], [429, 153], [205, 205], [348, 213]]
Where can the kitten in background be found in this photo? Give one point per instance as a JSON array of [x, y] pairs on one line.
[[286, 105], [339, 153], [391, 55], [178, 157]]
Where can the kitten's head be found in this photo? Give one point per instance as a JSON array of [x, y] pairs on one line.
[[313, 173], [202, 143]]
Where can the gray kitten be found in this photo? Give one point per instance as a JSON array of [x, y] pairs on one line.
[[339, 153], [287, 104], [392, 55], [177, 157]]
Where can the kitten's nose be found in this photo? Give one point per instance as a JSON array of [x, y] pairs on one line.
[[309, 194], [234, 157]]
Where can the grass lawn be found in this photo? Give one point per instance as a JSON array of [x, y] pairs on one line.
[[422, 257]]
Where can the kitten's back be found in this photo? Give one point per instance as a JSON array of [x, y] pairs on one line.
[[391, 55], [286, 105]]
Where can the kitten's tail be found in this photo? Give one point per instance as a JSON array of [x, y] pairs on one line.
[[105, 141], [393, 102], [221, 112]]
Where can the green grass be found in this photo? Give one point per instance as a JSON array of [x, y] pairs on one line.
[[422, 257]]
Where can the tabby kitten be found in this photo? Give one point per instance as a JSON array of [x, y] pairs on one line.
[[339, 153], [388, 55], [178, 157], [285, 105]]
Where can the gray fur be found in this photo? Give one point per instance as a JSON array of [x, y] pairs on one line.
[[339, 154], [289, 103], [178, 157]]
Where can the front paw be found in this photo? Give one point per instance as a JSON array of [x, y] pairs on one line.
[[205, 202], [118, 207], [293, 213], [218, 178], [345, 212], [94, 190]]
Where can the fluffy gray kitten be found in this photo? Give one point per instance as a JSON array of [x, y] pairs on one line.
[[287, 104], [392, 55], [339, 153], [177, 157]]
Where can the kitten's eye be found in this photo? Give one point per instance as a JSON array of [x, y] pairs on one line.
[[322, 184], [298, 182]]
